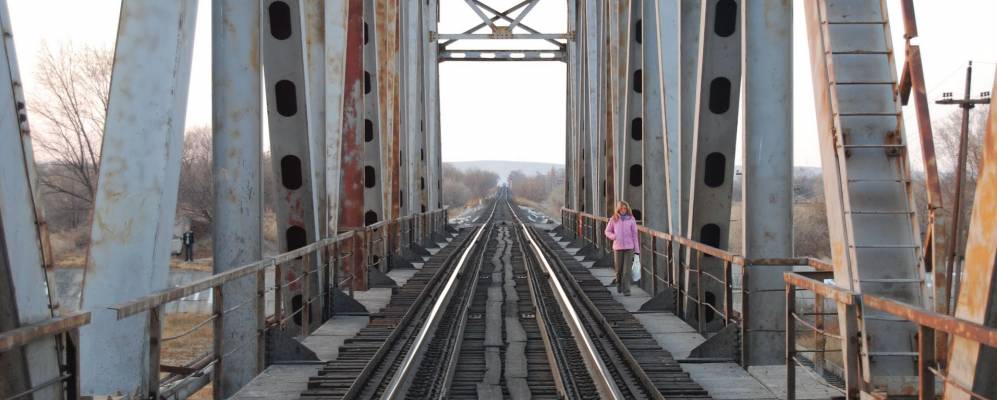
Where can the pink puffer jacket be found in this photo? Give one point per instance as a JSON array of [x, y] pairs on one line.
[[623, 232]]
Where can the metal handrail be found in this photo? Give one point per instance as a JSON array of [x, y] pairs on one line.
[[26, 334]]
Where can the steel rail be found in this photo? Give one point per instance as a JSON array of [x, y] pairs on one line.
[[394, 389], [601, 375]]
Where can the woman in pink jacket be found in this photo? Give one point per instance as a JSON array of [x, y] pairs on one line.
[[622, 230]]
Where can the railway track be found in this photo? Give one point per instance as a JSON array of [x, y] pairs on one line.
[[500, 315]]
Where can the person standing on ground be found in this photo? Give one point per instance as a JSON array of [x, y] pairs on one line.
[[622, 230], [188, 245]]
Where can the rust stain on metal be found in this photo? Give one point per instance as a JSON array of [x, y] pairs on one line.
[[351, 211]]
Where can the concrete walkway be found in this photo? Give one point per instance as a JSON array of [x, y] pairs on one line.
[[722, 380]]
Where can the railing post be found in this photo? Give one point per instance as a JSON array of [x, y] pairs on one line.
[[728, 293], [155, 344], [745, 314], [278, 293], [790, 342], [850, 346], [654, 265], [218, 310], [261, 318], [700, 306], [926, 346], [306, 290], [820, 341]]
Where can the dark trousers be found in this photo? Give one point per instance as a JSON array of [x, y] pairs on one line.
[[189, 250], [622, 260]]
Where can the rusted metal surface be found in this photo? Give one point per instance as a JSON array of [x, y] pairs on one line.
[[958, 327], [237, 167], [971, 365], [33, 332], [874, 234], [135, 203], [284, 73], [351, 197], [26, 288]]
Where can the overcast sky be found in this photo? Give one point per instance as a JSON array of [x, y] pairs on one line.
[[490, 109]]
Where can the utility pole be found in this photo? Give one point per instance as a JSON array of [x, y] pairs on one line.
[[966, 103]]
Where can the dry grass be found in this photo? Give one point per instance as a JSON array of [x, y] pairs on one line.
[[186, 349]]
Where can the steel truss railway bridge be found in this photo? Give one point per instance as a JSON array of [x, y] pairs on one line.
[[351, 90]]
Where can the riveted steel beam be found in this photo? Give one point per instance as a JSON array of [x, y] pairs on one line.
[[715, 138], [873, 229], [286, 86], [135, 204], [351, 211], [24, 251], [767, 176], [972, 365], [689, 25], [661, 115], [631, 136], [237, 167]]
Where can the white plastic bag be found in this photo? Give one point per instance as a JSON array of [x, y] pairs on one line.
[[635, 268]]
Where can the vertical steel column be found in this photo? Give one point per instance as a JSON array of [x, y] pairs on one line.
[[690, 21], [386, 38], [412, 107], [432, 117], [571, 155], [632, 132], [872, 225], [335, 94], [593, 133], [24, 251], [314, 35], [767, 185], [236, 164], [135, 205], [373, 110], [287, 95], [971, 365], [661, 115], [351, 211], [715, 135]]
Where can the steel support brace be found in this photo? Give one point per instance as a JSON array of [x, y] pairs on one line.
[[335, 94], [287, 97], [631, 138], [24, 254], [434, 164], [970, 364], [715, 138], [236, 147], [388, 96], [571, 155], [873, 229], [593, 133], [315, 59], [412, 107], [661, 115], [690, 19], [135, 204], [374, 110], [351, 198], [767, 185]]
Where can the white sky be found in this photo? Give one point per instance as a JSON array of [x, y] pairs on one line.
[[490, 109]]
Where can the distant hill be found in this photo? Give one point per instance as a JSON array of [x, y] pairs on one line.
[[503, 168]]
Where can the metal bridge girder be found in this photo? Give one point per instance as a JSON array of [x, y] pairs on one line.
[[237, 167], [135, 204], [715, 139], [874, 234], [287, 94], [25, 285], [972, 365]]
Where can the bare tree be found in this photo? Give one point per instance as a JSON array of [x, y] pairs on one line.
[[196, 194], [70, 111]]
